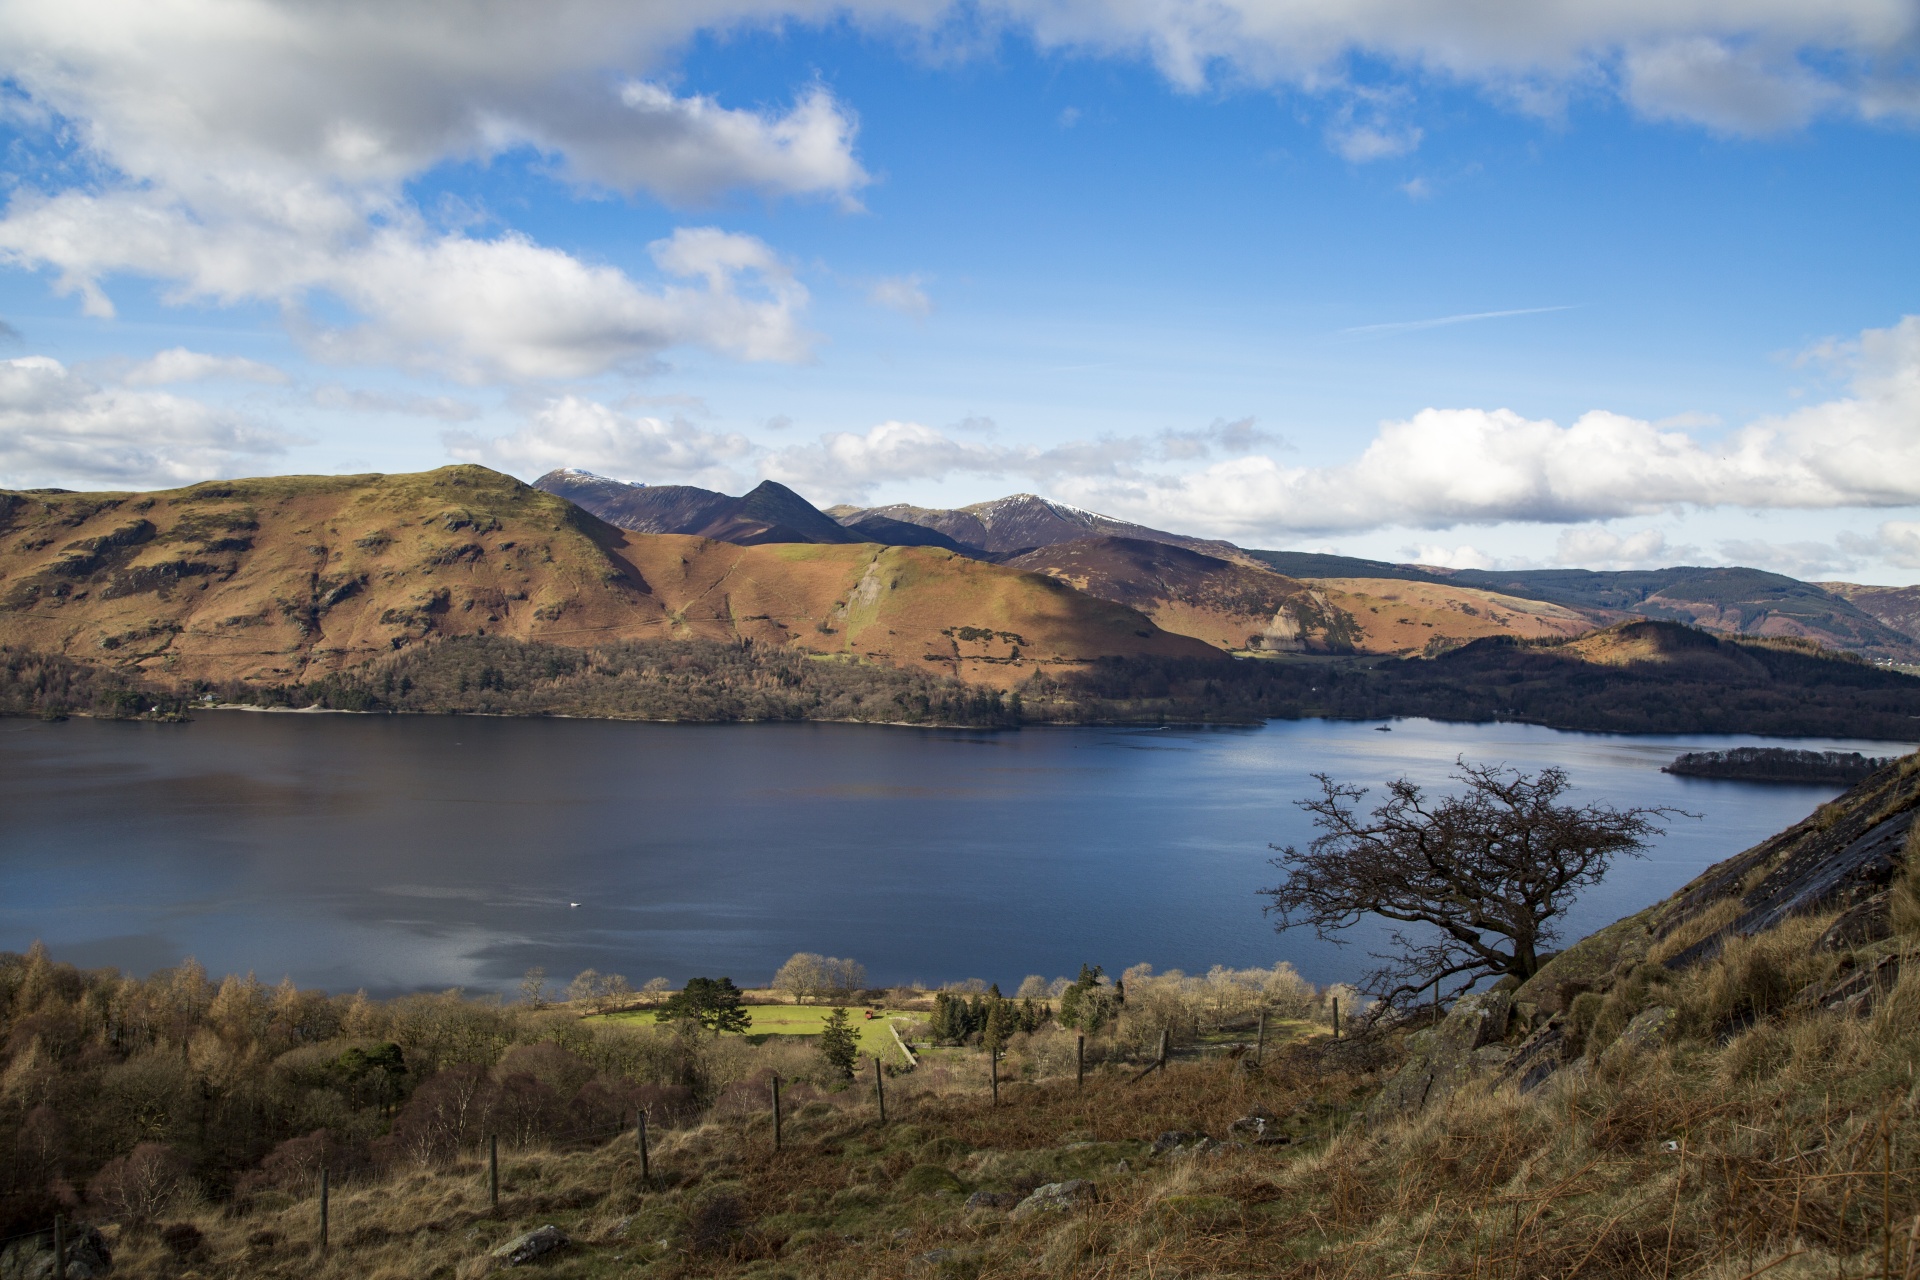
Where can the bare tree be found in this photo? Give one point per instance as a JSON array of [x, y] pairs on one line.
[[807, 975], [803, 976], [1488, 872], [585, 987], [533, 987], [614, 992], [845, 977]]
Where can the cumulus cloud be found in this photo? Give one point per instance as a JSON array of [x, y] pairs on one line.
[[574, 432], [1731, 88], [58, 428], [259, 150], [1464, 556], [849, 465], [1895, 541], [1601, 548], [504, 307], [1447, 467], [177, 364], [365, 94], [1739, 65], [1806, 559]]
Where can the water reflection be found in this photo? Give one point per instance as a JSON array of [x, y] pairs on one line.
[[397, 853]]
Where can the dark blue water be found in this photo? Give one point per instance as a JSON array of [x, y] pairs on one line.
[[400, 853]]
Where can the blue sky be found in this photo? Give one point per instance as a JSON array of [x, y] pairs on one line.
[[1599, 285]]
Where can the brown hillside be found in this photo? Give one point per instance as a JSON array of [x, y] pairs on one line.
[[1395, 616], [289, 578], [1897, 607], [1233, 606]]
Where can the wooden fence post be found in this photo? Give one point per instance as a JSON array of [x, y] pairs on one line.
[[323, 1211], [493, 1173], [1079, 1062], [1161, 1061], [59, 1247], [993, 1071], [1336, 1017], [640, 1133], [880, 1088], [1260, 1049], [776, 1113]]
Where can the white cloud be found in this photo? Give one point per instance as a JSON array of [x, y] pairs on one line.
[[1600, 548], [1812, 560], [905, 294], [477, 309], [177, 364], [1896, 541], [57, 428], [1361, 143], [365, 95], [1460, 557], [249, 150], [572, 432], [848, 465], [509, 308], [1726, 87], [1446, 467], [1742, 65]]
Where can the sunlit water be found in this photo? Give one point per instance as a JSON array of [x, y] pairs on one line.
[[408, 852]]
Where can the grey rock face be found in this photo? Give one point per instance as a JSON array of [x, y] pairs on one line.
[[1649, 1030], [993, 1199], [531, 1246], [32, 1258], [1055, 1197]]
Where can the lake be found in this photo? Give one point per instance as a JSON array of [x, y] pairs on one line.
[[397, 853]]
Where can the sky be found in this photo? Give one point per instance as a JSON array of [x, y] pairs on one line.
[[1484, 283]]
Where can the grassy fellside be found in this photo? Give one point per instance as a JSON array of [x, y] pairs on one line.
[[803, 1020]]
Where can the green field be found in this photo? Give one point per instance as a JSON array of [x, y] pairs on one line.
[[804, 1020]]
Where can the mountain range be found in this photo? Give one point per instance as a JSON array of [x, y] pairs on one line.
[[1249, 600], [298, 588]]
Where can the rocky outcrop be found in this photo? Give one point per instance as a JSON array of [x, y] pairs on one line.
[[32, 1258], [1469, 1043], [1846, 857], [1055, 1197]]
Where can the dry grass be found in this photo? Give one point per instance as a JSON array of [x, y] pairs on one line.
[[1790, 1149]]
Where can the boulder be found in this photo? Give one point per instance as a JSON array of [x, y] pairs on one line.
[[1465, 1046], [1055, 1197], [1258, 1127], [994, 1199], [1863, 923], [1649, 1030], [32, 1258], [1857, 993], [531, 1246], [1176, 1138]]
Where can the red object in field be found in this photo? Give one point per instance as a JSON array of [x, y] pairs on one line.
[[869, 1013]]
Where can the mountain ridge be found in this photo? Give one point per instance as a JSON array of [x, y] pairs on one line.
[[286, 579]]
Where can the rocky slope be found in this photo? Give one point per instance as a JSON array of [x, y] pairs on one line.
[[769, 513], [1847, 867], [1236, 607], [1895, 607], [290, 578], [1022, 522]]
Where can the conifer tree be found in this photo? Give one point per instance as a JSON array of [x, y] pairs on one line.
[[839, 1044]]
